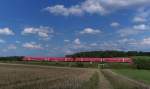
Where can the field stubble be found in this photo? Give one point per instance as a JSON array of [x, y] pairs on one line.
[[35, 77]]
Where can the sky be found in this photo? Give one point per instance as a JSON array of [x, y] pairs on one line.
[[61, 27]]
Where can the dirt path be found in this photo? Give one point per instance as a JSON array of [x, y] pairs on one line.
[[103, 82], [123, 82]]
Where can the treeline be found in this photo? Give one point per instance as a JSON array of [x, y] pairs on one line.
[[11, 58], [109, 54]]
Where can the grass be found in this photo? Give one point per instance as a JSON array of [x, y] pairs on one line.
[[121, 82], [117, 66], [140, 75], [16, 76]]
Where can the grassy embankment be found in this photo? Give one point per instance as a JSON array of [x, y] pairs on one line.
[[140, 75], [119, 81]]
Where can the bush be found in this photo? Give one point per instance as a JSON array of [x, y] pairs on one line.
[[142, 62], [11, 58]]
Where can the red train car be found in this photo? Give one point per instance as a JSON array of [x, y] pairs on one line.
[[117, 60], [66, 59], [88, 59]]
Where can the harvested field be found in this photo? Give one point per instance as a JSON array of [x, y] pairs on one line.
[[43, 77], [21, 76]]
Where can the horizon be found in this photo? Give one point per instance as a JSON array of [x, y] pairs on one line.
[[62, 27]]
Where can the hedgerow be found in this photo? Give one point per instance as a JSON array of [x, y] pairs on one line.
[[141, 62]]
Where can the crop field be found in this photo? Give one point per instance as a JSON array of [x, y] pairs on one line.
[[23, 76], [15, 76]]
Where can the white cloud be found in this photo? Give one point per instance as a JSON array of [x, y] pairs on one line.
[[128, 31], [42, 31], [143, 43], [6, 31], [139, 19], [60, 9], [134, 30], [67, 52], [141, 16], [114, 24], [2, 41], [12, 47], [146, 41], [95, 7], [93, 44], [127, 41], [66, 40], [90, 31], [32, 45], [18, 42], [77, 41], [124, 3], [141, 27], [89, 6], [110, 46]]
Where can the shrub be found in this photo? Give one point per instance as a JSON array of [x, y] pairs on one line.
[[142, 62]]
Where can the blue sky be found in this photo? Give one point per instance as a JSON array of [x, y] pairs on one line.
[[60, 27]]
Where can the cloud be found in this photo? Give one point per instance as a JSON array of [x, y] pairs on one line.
[[109, 45], [90, 31], [68, 52], [139, 19], [18, 42], [141, 16], [141, 27], [66, 40], [6, 31], [92, 7], [124, 3], [12, 47], [95, 7], [77, 41], [128, 31], [89, 6], [114, 24], [2, 41], [42, 31], [145, 41], [134, 30], [32, 45], [60, 9], [93, 44]]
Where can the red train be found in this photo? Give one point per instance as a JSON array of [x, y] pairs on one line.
[[66, 59]]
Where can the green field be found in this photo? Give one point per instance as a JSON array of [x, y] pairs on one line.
[[140, 75]]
